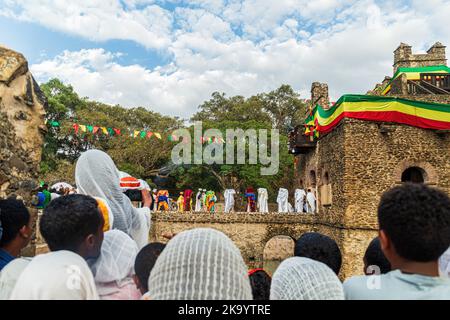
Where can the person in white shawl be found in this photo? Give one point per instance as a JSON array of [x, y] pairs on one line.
[[305, 279], [300, 195], [9, 276], [198, 201], [444, 264], [200, 264], [229, 200], [58, 275], [96, 175], [263, 196], [113, 271], [283, 201], [311, 199]]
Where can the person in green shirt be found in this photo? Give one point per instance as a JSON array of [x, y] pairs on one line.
[[47, 194], [414, 231]]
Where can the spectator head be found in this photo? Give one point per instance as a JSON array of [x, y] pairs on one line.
[[200, 264], [414, 222], [144, 264], [305, 279], [73, 223], [15, 224], [321, 248], [375, 261], [260, 283]]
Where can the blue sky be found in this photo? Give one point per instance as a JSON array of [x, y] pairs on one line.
[[169, 56]]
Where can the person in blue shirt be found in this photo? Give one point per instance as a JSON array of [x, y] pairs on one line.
[[414, 231], [16, 230]]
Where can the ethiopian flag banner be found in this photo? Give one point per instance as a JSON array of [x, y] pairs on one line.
[[414, 74], [378, 108]]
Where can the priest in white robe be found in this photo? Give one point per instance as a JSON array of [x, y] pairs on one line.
[[311, 201], [283, 201], [229, 200], [300, 196], [198, 201], [263, 196]]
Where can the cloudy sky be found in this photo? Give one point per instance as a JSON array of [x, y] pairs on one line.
[[169, 56]]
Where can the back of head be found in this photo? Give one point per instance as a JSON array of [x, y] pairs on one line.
[[200, 264], [116, 261], [67, 221], [60, 275], [145, 261], [305, 279], [321, 248], [375, 258], [416, 219], [260, 282], [13, 217]]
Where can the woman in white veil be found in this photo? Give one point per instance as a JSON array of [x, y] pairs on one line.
[[96, 175]]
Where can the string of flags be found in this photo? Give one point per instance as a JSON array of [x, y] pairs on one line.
[[114, 132]]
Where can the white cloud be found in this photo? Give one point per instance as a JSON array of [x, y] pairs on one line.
[[239, 47]]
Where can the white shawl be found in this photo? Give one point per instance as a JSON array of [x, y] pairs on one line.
[[96, 175], [229, 200], [282, 200], [300, 195], [59, 275], [263, 196]]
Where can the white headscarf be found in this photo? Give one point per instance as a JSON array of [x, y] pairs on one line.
[[229, 199], [9, 276], [96, 175], [311, 202], [115, 266], [282, 200], [305, 279], [200, 264], [444, 264], [300, 195], [59, 275], [262, 200]]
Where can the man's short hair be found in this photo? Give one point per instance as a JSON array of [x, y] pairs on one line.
[[145, 261], [68, 220], [321, 248], [374, 256], [416, 218], [13, 217]]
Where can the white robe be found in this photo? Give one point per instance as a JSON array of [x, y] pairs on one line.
[[311, 202], [300, 195], [9, 276], [198, 202], [282, 200], [444, 264], [229, 200], [263, 206]]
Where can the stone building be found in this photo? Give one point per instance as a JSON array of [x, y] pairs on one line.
[[352, 165], [21, 129]]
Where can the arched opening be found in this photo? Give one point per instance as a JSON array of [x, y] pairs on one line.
[[277, 249], [326, 178], [312, 178], [414, 175], [325, 190]]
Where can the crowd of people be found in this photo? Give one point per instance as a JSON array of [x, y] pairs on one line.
[[99, 249]]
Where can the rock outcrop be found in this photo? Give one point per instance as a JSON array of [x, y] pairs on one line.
[[21, 126]]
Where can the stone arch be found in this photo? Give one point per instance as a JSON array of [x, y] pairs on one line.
[[276, 250], [428, 172], [312, 178]]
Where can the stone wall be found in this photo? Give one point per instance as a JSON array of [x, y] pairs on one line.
[[403, 57], [363, 160], [21, 130]]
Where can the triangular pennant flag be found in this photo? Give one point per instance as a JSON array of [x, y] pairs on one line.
[[104, 130], [54, 124], [143, 134], [149, 134], [111, 132], [158, 136], [76, 127], [90, 128], [96, 129], [117, 131], [83, 128], [136, 133]]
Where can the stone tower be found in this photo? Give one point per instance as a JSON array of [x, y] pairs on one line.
[[21, 129], [403, 57], [319, 95]]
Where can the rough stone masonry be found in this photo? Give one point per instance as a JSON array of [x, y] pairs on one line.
[[21, 129]]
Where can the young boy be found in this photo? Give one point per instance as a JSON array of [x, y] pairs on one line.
[[414, 231], [145, 260], [15, 223]]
